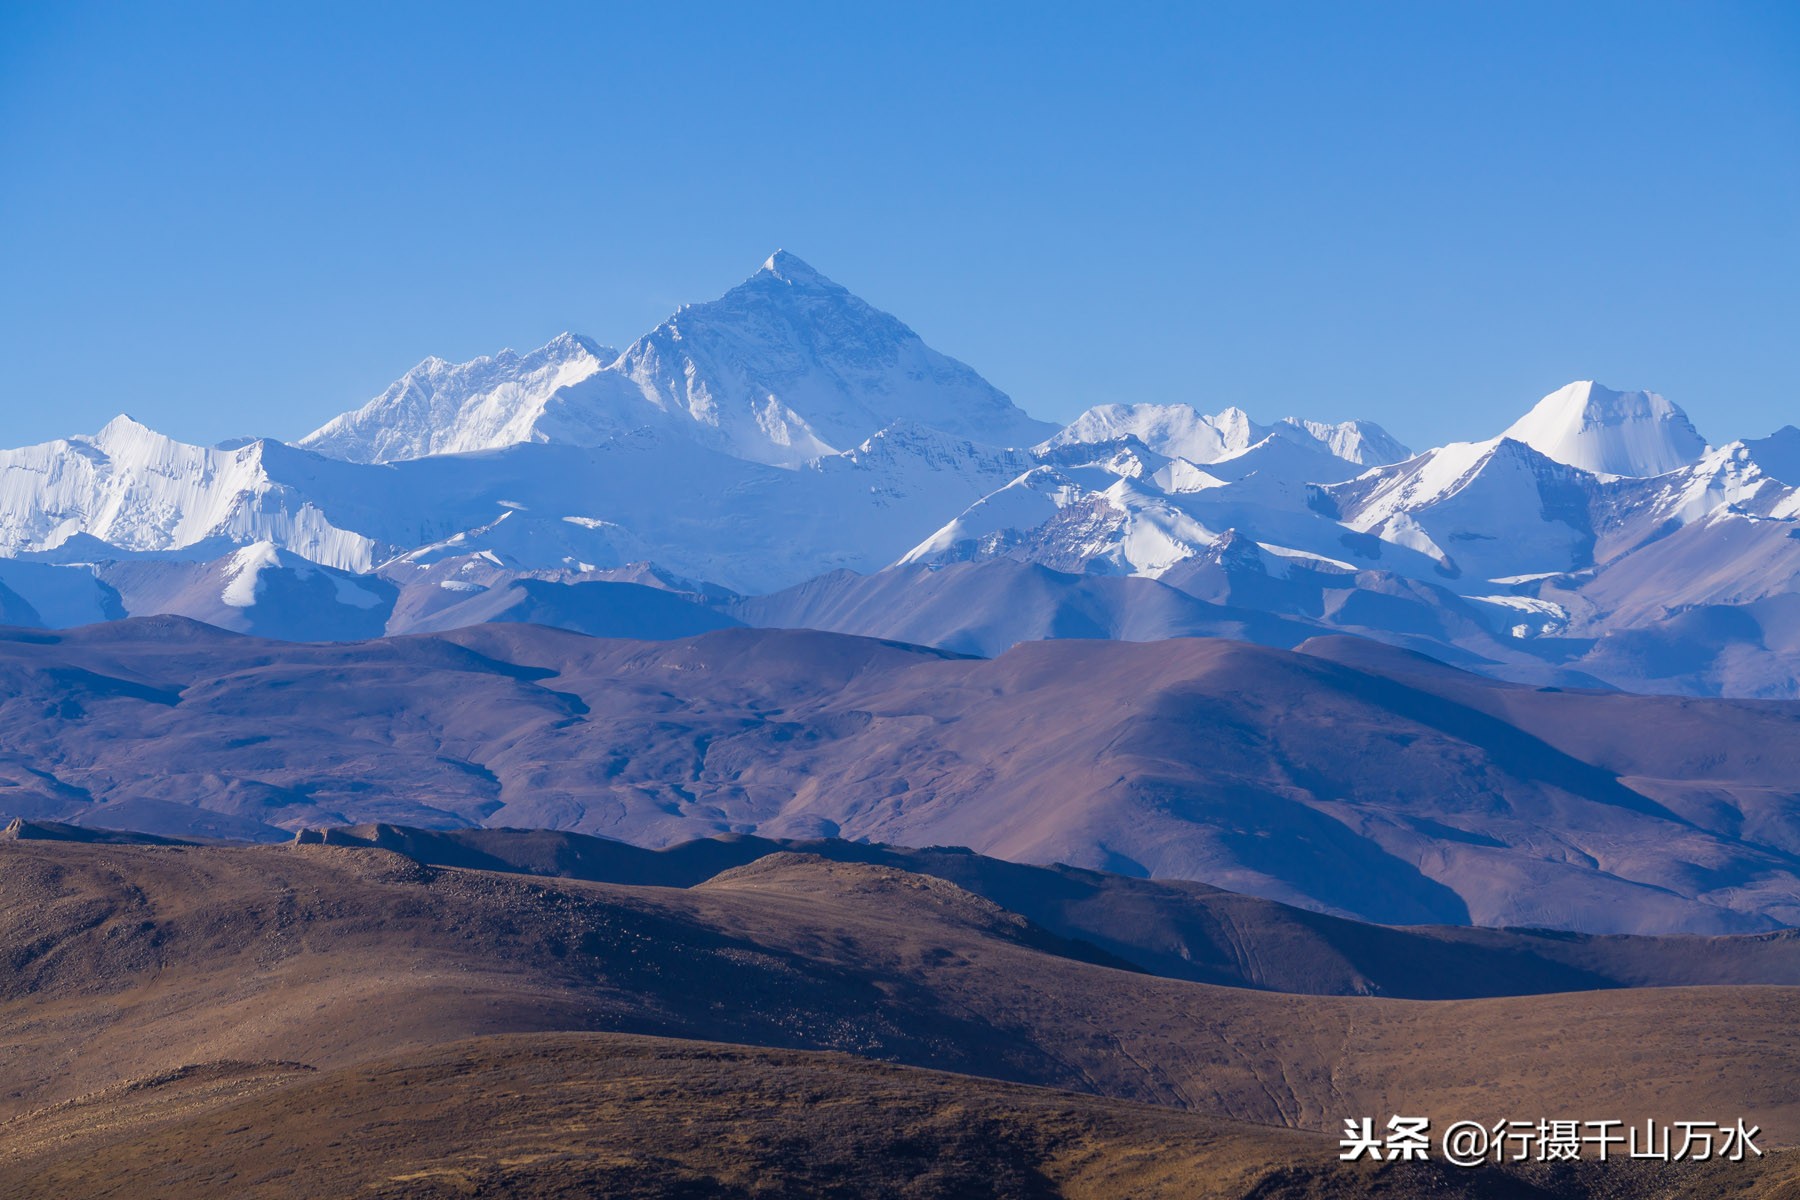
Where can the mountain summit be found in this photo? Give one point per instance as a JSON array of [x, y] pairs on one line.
[[790, 268], [1610, 433], [440, 407], [793, 444], [782, 369]]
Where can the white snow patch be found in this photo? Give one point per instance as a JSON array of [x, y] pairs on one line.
[[356, 597], [1534, 577], [1307, 556], [1597, 429], [244, 573]]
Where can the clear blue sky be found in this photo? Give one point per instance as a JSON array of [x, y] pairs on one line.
[[241, 219]]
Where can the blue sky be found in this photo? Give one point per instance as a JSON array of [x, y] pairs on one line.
[[242, 219]]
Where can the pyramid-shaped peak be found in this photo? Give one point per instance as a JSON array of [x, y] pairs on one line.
[[123, 423], [791, 268], [122, 432], [1592, 405], [1595, 428], [574, 345]]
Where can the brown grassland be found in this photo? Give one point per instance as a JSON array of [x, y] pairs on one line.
[[323, 1021]]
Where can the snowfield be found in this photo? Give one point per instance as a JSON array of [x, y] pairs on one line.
[[789, 431]]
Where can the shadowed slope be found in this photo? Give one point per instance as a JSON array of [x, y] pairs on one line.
[[569, 1116], [1353, 778], [128, 962], [1173, 928]]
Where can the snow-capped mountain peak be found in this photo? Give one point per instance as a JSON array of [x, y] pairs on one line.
[[792, 269], [440, 407], [570, 345], [1361, 442], [1236, 430], [1174, 430], [136, 490], [784, 368], [789, 429], [1182, 431], [122, 427], [1586, 425]]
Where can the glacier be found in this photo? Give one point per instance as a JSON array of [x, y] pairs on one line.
[[789, 432]]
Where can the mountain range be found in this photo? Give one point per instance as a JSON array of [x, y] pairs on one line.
[[1347, 776], [789, 455], [387, 1012]]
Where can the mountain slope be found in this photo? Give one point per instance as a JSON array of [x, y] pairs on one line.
[[1172, 928], [635, 1118], [448, 408], [1351, 778], [139, 961], [985, 608], [136, 490], [782, 369], [1597, 429], [1182, 431], [1483, 510], [598, 608], [766, 441]]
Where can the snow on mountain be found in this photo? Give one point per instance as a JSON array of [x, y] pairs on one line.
[[976, 532], [130, 492], [1123, 509], [1286, 455], [707, 515], [139, 491], [1778, 454], [904, 463], [527, 541], [1483, 510], [1078, 520], [447, 408], [1174, 430], [1609, 433], [559, 461], [1721, 484], [1719, 532], [789, 365], [789, 430], [1361, 442], [984, 608], [259, 589], [784, 368], [1182, 431]]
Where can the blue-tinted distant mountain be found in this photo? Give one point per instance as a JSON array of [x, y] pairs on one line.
[[783, 369], [1778, 454], [1597, 429], [1347, 777], [599, 608], [766, 442], [985, 608]]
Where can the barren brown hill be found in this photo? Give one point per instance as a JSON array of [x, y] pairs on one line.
[[1351, 778], [569, 1116], [1176, 928], [312, 963]]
